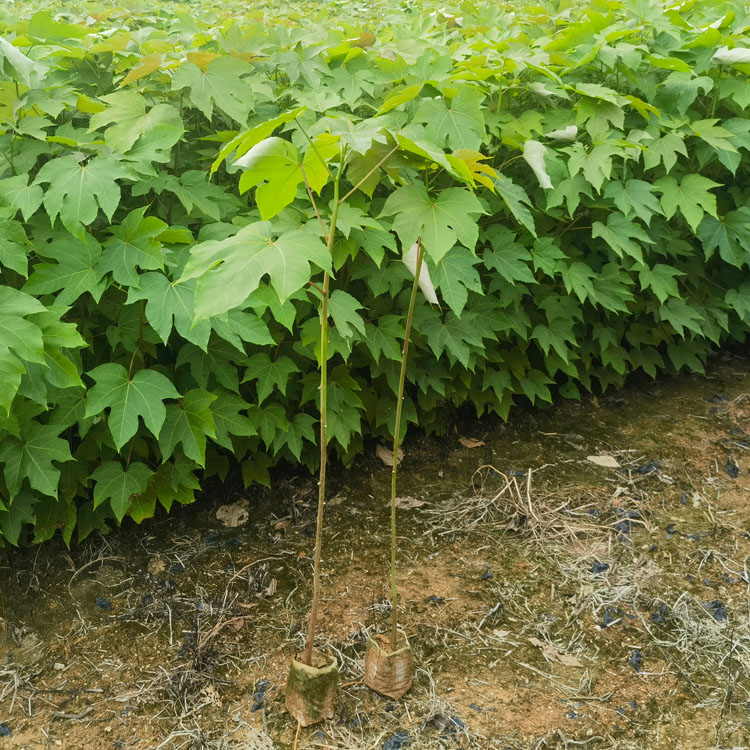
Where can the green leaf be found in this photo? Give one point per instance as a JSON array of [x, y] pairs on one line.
[[194, 191], [293, 435], [690, 195], [664, 150], [633, 197], [739, 301], [730, 234], [534, 385], [237, 326], [570, 191], [323, 148], [77, 191], [126, 114], [22, 510], [243, 142], [133, 245], [510, 259], [229, 270], [459, 121], [273, 166], [230, 418], [129, 398], [269, 374], [595, 164], [546, 256], [343, 309], [14, 247], [216, 362], [578, 278], [455, 336], [18, 194], [385, 337], [714, 135], [220, 84], [269, 420], [456, 277], [188, 423], [555, 335], [680, 315], [118, 485], [20, 340], [516, 199], [611, 288], [622, 235], [30, 457], [171, 300], [399, 97], [661, 280], [440, 221], [76, 272]]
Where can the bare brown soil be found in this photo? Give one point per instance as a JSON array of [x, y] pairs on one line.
[[163, 636]]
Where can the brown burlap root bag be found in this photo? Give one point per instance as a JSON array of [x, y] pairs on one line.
[[311, 690], [387, 672]]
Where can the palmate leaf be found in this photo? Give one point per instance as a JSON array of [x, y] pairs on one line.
[[20, 340], [343, 309], [295, 433], [633, 197], [730, 234], [622, 235], [188, 424], [143, 395], [220, 85], [517, 201], [77, 190], [459, 121], [229, 270], [18, 194], [453, 336], [691, 195], [133, 245], [383, 339], [440, 221], [269, 374], [661, 279], [14, 246], [456, 276], [23, 510], [128, 120], [271, 166], [76, 272], [30, 457], [168, 301], [555, 335], [118, 485], [230, 418], [509, 258]]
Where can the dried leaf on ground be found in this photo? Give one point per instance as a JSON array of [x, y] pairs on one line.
[[609, 462], [386, 454], [157, 565], [407, 503], [470, 442], [234, 514], [555, 655]]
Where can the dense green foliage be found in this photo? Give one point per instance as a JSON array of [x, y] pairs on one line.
[[578, 175]]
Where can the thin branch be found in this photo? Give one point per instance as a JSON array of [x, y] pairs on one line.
[[380, 163]]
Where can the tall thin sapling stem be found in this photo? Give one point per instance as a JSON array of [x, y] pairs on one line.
[[396, 440], [307, 658]]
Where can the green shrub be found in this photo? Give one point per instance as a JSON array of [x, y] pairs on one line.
[[578, 176]]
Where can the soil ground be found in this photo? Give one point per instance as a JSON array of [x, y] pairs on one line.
[[552, 600]]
